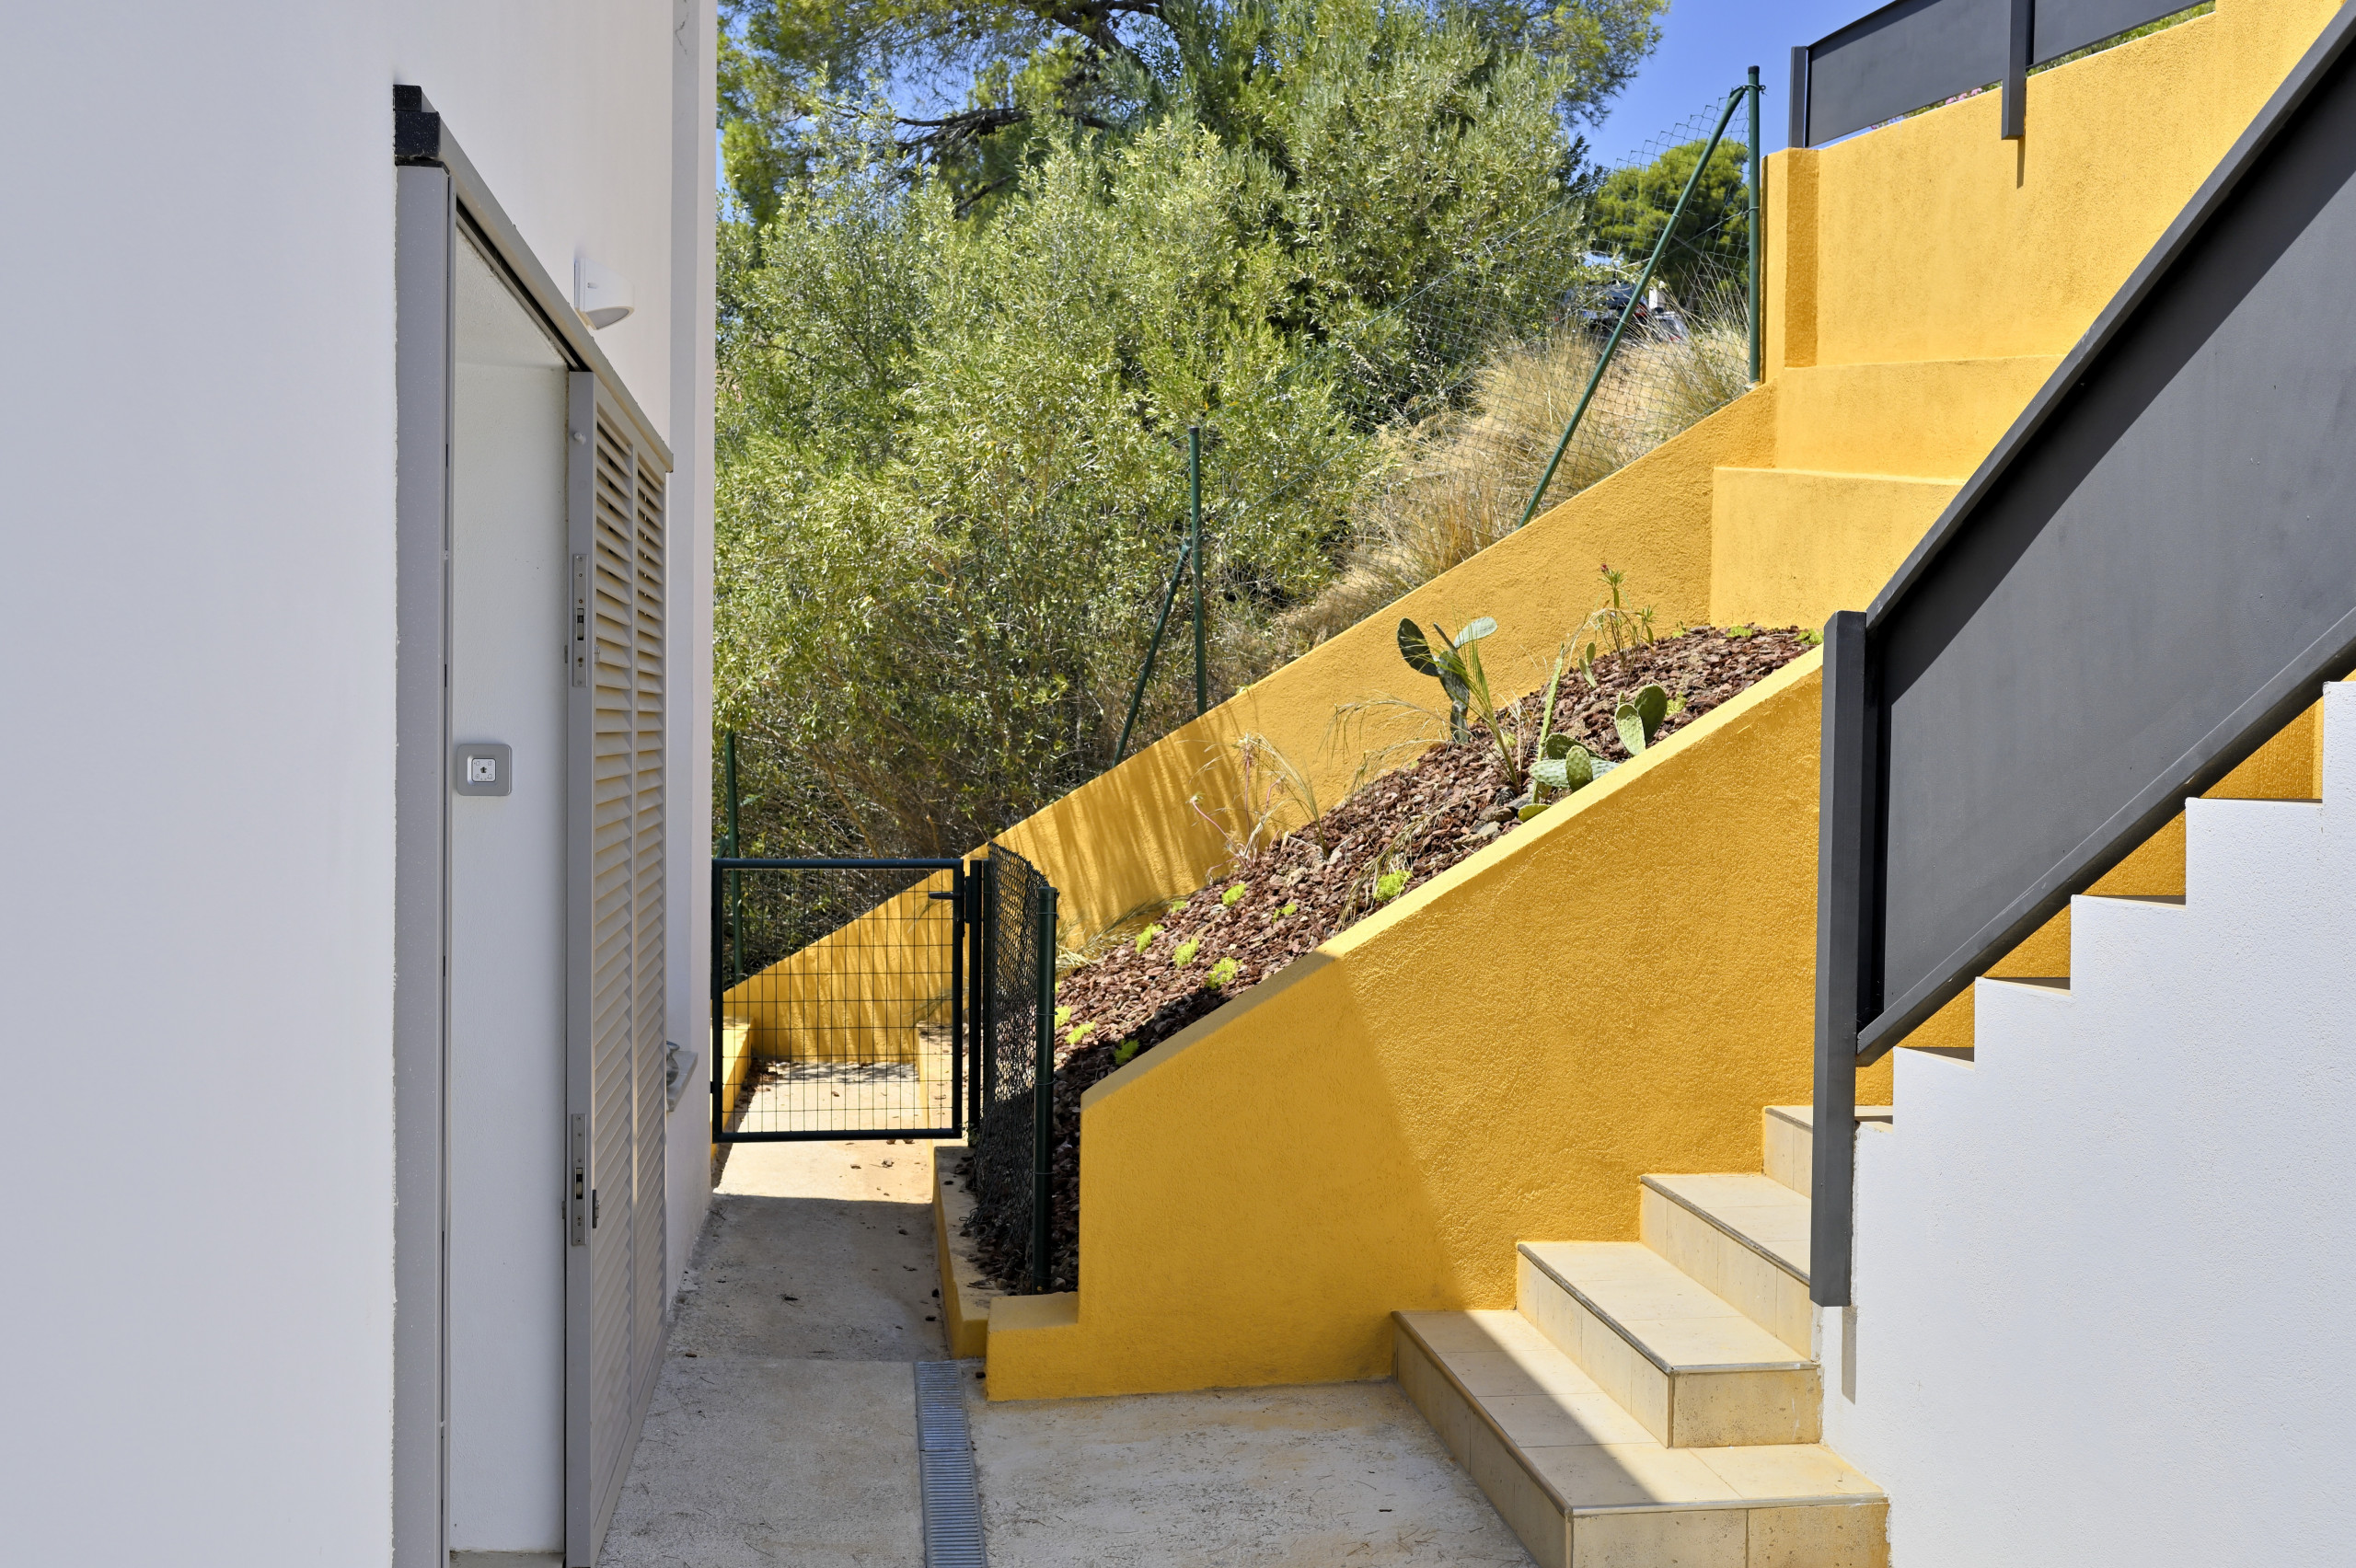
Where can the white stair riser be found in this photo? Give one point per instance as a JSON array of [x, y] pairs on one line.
[[1682, 1410], [1770, 1296]]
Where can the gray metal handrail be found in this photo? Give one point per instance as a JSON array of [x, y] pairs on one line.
[[2152, 573]]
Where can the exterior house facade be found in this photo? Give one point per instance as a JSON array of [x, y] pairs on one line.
[[361, 391]]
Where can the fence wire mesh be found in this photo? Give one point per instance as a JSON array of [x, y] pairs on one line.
[[838, 1006], [1458, 394], [1000, 1172]]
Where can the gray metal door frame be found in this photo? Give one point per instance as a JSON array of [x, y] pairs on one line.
[[437, 189]]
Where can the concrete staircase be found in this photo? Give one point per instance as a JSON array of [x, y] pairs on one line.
[[1658, 1402]]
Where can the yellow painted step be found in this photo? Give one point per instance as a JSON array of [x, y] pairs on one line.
[[1583, 1485], [1791, 546], [1692, 1370], [1741, 1238], [1935, 419]]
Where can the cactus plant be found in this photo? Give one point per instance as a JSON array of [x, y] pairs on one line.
[[1638, 718], [1456, 665]]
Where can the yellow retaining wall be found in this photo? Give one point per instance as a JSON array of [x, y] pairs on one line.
[[873, 982], [1934, 239], [1615, 989]]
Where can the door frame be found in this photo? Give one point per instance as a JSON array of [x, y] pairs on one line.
[[436, 190]]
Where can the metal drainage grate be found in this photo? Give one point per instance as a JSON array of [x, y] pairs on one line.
[[952, 1504]]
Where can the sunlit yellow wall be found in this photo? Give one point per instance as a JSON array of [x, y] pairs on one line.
[[1933, 238], [859, 994], [1616, 989]]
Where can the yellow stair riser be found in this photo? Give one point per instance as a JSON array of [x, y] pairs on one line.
[[1934, 419], [1789, 547]]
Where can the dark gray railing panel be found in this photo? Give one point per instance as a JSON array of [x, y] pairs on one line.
[[1917, 52], [2158, 566], [1902, 57], [2065, 25]]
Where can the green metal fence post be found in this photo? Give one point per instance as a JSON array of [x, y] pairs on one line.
[[736, 879], [1194, 543], [1627, 314], [1153, 649], [1043, 1101], [1756, 359]]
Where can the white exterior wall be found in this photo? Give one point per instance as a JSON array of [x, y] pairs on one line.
[[2105, 1271], [196, 937]]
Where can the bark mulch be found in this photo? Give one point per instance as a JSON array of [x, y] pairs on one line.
[[1293, 895]]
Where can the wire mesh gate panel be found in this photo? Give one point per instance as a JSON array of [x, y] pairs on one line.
[[1012, 1113], [839, 995]]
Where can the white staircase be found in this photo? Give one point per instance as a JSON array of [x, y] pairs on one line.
[[2105, 1264], [1655, 1404]]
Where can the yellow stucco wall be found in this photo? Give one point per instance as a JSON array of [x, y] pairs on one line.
[[1934, 239], [1496, 1058]]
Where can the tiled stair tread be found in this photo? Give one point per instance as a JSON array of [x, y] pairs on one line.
[[1658, 1308], [1758, 1211], [1588, 1454], [1803, 1116]]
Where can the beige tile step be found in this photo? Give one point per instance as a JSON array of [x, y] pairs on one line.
[[1586, 1486], [1742, 1238], [1691, 1369], [1787, 1141]]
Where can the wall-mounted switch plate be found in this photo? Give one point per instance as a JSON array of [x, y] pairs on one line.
[[482, 767]]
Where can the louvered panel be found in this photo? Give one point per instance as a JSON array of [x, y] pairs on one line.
[[618, 709], [614, 943], [647, 827]]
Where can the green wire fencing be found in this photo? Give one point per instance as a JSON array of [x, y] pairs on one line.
[[1554, 353]]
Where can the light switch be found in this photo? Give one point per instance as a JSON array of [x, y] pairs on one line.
[[482, 767]]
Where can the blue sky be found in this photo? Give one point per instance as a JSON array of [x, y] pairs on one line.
[[1705, 47]]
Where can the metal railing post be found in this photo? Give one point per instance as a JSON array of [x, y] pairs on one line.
[[989, 1074], [736, 879], [1757, 359], [719, 1021], [1043, 1100], [1194, 547], [1628, 312], [1844, 881], [1153, 649]]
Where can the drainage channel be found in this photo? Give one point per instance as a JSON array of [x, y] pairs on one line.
[[952, 1504]]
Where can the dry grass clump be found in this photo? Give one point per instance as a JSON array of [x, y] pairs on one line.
[[1457, 483]]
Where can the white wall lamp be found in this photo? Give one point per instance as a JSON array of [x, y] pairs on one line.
[[600, 294]]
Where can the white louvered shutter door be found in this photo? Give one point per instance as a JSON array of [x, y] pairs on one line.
[[614, 1036]]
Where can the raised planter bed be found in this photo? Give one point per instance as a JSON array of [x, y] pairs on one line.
[[1267, 907]]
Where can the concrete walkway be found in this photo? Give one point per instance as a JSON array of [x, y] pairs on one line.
[[783, 1430]]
